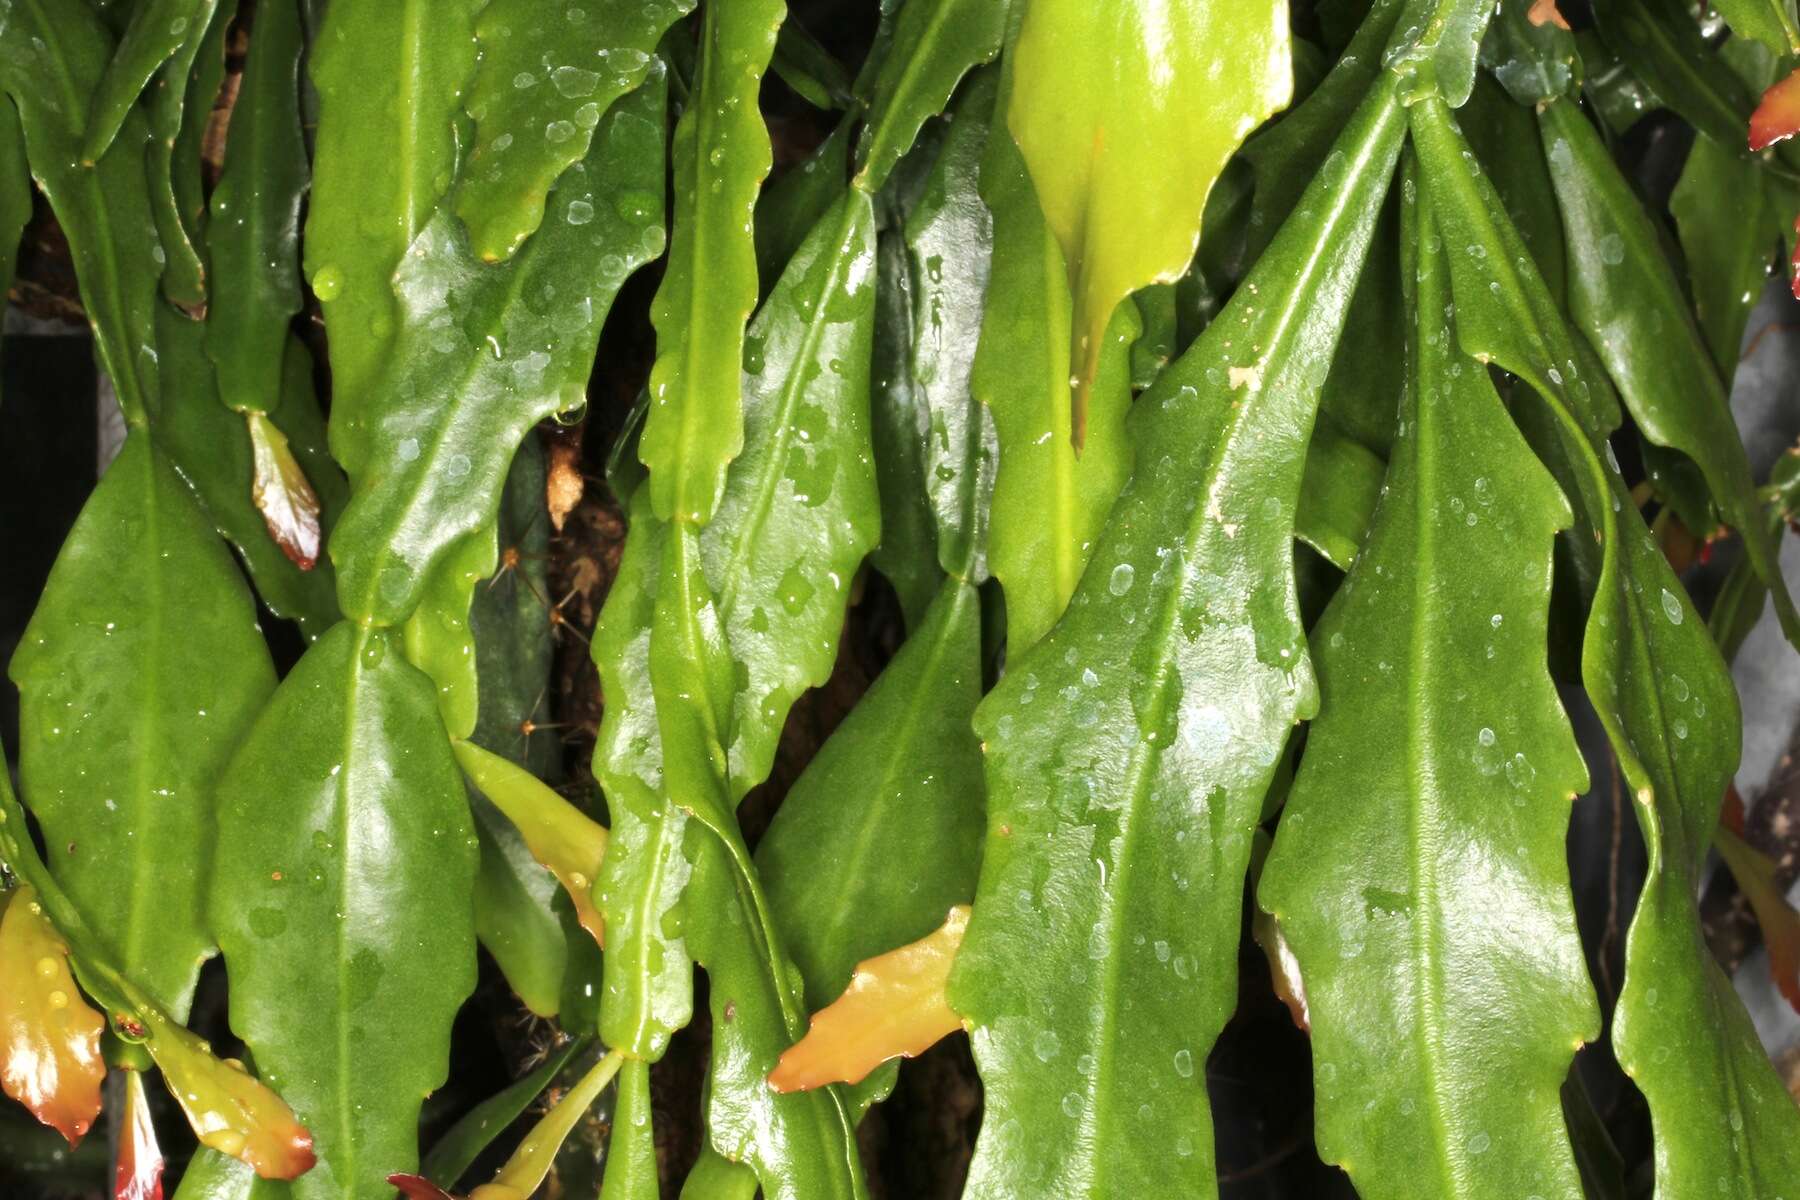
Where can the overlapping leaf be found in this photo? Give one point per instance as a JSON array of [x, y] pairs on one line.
[[156, 32], [1718, 1109], [1099, 89], [376, 179], [695, 425], [545, 80], [483, 352], [121, 740], [1128, 751], [341, 901], [1419, 872]]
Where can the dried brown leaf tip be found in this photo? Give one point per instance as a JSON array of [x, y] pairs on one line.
[[563, 485], [283, 494], [1756, 875], [896, 1006], [49, 1038]]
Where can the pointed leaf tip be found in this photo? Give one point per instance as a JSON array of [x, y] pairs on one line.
[[1545, 12], [49, 1038], [895, 1007], [1756, 877], [230, 1110], [417, 1187]]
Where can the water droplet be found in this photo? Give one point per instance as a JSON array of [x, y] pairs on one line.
[[580, 212], [1184, 1064], [1671, 606], [524, 79], [795, 590], [1046, 1045], [1480, 1143], [1121, 579], [637, 207], [574, 82], [1486, 736], [1612, 249], [1679, 727], [458, 466], [408, 449], [1071, 1104], [559, 131], [327, 282]]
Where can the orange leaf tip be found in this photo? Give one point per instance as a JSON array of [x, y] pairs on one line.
[[282, 493], [1545, 11], [896, 1006], [1756, 877], [1777, 117], [49, 1037]]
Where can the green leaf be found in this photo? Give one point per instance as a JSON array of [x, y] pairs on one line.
[[1049, 502], [899, 427], [210, 1175], [1535, 61], [1664, 696], [799, 508], [1128, 752], [52, 56], [1504, 138], [1770, 22], [121, 740], [1285, 156], [788, 208], [156, 33], [545, 80], [210, 446], [377, 180], [341, 901], [949, 240], [180, 109], [1728, 228], [898, 781], [454, 1153], [648, 972], [1436, 47], [253, 234], [935, 43], [1624, 295], [1338, 492], [1424, 889], [15, 190], [695, 425], [482, 353], [802, 1145], [631, 1151], [810, 69], [1660, 43], [716, 1177], [1099, 90]]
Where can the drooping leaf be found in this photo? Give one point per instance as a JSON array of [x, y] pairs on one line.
[[49, 1037], [1504, 138], [899, 780], [1419, 873], [482, 353], [341, 901], [893, 1006], [1717, 1108], [793, 203], [1757, 878], [935, 43], [1337, 494], [530, 1163], [1624, 295], [138, 1168], [1049, 502], [179, 108], [1660, 43], [545, 80], [280, 490], [377, 179], [805, 65], [631, 1150], [1728, 230], [695, 425], [1128, 751], [1099, 89], [253, 229], [122, 741], [949, 238], [157, 31], [51, 60]]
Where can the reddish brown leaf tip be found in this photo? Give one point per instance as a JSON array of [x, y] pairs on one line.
[[137, 1175], [1777, 118], [283, 494], [417, 1187], [49, 1038]]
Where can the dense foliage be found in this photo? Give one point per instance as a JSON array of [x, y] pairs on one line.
[[1252, 418]]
